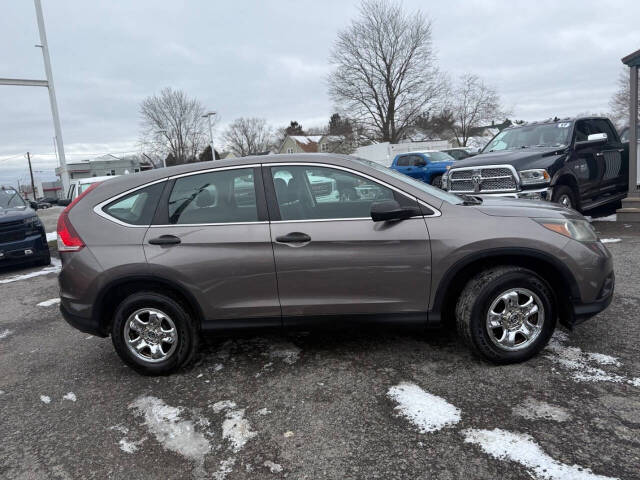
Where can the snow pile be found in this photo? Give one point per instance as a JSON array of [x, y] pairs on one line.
[[585, 366], [5, 333], [226, 467], [70, 396], [610, 218], [51, 236], [45, 399], [428, 412], [55, 267], [610, 240], [523, 449], [173, 433], [130, 446], [533, 409], [48, 303], [235, 428]]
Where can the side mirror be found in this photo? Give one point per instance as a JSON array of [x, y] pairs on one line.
[[593, 140], [63, 202], [391, 210], [33, 205]]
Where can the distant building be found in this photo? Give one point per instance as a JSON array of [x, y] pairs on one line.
[[315, 144], [106, 165]]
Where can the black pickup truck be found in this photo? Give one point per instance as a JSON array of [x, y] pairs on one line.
[[578, 162]]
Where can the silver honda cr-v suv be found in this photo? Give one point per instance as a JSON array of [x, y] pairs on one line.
[[158, 258]]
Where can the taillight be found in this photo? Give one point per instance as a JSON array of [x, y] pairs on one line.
[[68, 238]]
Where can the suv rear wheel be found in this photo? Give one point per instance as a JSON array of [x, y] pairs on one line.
[[506, 314], [153, 333]]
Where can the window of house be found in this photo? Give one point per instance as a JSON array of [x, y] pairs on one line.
[[113, 172], [226, 196], [289, 150], [324, 147]]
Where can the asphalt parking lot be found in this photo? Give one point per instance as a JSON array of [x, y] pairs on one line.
[[345, 405]]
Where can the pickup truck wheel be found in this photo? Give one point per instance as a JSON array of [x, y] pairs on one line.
[[506, 314], [564, 195], [153, 334], [437, 181]]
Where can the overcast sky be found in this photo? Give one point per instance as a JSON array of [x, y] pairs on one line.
[[269, 59]]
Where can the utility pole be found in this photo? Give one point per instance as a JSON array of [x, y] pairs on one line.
[[64, 175], [208, 115], [33, 184]]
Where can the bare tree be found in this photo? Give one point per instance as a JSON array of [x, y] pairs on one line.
[[246, 136], [621, 100], [473, 104], [385, 69], [172, 125]]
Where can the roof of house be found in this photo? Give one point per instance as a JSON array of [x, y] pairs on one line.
[[633, 59], [307, 143]]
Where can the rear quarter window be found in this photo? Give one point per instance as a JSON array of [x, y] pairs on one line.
[[136, 208]]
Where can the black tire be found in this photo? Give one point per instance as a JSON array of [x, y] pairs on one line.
[[437, 181], [564, 195], [187, 333], [476, 299]]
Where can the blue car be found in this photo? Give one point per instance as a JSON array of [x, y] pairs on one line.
[[424, 166]]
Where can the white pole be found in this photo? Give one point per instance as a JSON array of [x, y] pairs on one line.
[[213, 152], [64, 174]]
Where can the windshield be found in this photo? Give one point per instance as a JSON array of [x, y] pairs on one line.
[[436, 192], [439, 157], [542, 135], [9, 198]]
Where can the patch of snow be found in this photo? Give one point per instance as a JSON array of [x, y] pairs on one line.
[[223, 405], [609, 218], [523, 449], [584, 366], [5, 333], [120, 428], [129, 446], [200, 375], [286, 351], [426, 411], [226, 467], [53, 268], [263, 411], [610, 240], [45, 399], [273, 467], [48, 303], [237, 429], [173, 433], [218, 367], [288, 434], [70, 396], [51, 236], [533, 409]]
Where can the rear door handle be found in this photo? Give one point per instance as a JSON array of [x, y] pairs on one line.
[[294, 237], [165, 240]]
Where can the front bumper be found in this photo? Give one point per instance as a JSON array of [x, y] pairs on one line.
[[537, 194], [31, 248], [581, 312]]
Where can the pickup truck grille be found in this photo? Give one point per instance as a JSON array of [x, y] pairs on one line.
[[12, 231], [482, 180]]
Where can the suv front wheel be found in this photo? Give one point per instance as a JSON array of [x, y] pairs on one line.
[[506, 314], [153, 333]]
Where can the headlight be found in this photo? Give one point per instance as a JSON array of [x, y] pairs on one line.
[[32, 222], [580, 230], [445, 180], [534, 177]]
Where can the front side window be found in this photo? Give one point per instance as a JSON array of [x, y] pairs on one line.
[[316, 193], [10, 198], [225, 196], [138, 207], [404, 161]]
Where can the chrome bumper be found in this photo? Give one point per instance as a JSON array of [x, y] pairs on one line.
[[538, 194]]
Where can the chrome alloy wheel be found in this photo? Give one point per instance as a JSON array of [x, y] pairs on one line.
[[515, 319], [150, 335], [565, 201]]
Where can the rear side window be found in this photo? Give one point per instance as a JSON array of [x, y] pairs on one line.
[[138, 207], [225, 196]]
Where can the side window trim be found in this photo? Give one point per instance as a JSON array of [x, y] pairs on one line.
[[98, 209]]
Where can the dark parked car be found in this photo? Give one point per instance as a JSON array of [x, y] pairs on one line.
[[159, 258], [579, 162], [22, 236]]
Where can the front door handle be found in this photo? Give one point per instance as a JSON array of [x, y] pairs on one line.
[[294, 237], [165, 240]]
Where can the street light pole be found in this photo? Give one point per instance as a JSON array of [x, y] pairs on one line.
[[208, 115], [64, 174]]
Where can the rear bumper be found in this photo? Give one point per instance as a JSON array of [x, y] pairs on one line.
[[84, 324], [31, 248]]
